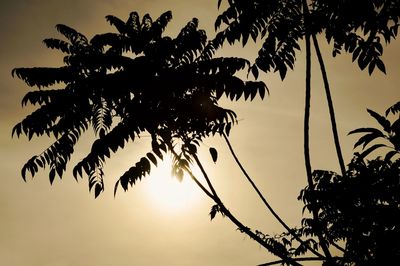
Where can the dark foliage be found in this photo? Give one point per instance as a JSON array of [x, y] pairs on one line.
[[358, 27], [362, 209], [278, 23], [280, 26], [125, 84]]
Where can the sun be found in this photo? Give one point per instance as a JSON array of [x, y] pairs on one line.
[[169, 194]]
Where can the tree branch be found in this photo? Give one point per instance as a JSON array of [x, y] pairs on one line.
[[307, 159], [277, 217], [242, 228], [330, 105], [187, 169], [296, 259]]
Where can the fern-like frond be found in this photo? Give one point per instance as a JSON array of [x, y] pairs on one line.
[[75, 37], [167, 87], [102, 118], [44, 76], [133, 23], [61, 45], [117, 23]]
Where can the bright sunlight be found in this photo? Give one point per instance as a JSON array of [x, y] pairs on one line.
[[167, 192]]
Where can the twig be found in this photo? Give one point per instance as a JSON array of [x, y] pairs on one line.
[[296, 259]]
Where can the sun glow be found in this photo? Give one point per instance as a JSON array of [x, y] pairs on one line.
[[167, 192]]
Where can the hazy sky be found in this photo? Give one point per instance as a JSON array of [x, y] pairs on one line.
[[63, 225]]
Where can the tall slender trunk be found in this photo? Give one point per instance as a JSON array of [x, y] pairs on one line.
[[307, 107], [330, 106]]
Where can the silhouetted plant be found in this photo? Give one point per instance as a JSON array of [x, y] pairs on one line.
[[131, 82], [139, 81], [282, 24], [390, 133], [166, 88], [362, 208]]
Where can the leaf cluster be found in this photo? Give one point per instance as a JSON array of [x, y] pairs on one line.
[[362, 208], [388, 132], [278, 23], [281, 25], [127, 83], [359, 33]]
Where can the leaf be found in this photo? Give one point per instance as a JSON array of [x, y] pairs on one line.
[[365, 130], [261, 91], [117, 23], [254, 71], [192, 148], [52, 175], [381, 120], [152, 158], [228, 128], [214, 210], [116, 187], [214, 154], [98, 189], [380, 65], [393, 109], [362, 61], [356, 53], [371, 149], [364, 140], [282, 71], [390, 155], [371, 67]]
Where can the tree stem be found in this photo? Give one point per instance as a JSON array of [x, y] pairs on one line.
[[285, 257], [269, 207], [198, 183], [307, 108], [296, 259], [330, 105]]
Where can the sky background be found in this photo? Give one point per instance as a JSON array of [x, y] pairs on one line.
[[62, 224]]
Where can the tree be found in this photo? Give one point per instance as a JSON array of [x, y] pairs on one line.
[[169, 89], [282, 24], [138, 80]]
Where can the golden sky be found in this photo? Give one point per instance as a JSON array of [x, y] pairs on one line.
[[63, 225]]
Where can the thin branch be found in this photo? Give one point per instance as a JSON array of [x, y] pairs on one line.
[[330, 105], [187, 169], [242, 228], [338, 247], [296, 259], [266, 202], [307, 159]]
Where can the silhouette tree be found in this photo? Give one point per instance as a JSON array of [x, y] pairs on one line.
[[131, 82], [282, 24], [139, 81], [169, 88]]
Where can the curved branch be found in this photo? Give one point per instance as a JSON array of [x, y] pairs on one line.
[[307, 159], [296, 259], [338, 247], [277, 217], [242, 227], [330, 105], [187, 169]]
